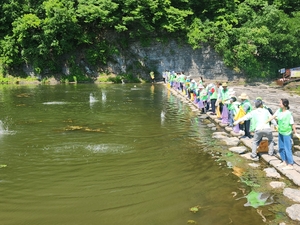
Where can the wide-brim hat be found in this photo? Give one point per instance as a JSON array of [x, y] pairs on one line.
[[224, 84], [243, 96]]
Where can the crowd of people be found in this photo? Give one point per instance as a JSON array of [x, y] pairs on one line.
[[238, 112]]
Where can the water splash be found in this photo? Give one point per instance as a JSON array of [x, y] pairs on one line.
[[92, 98], [3, 128], [108, 148]]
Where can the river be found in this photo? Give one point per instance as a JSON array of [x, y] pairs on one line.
[[111, 154]]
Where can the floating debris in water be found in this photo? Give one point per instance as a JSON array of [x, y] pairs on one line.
[[195, 208], [249, 182], [261, 214], [238, 171], [74, 128], [256, 199], [229, 164]]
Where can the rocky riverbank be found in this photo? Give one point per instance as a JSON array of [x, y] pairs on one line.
[[271, 96]]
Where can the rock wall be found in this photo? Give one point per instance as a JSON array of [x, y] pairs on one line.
[[158, 57], [171, 56]]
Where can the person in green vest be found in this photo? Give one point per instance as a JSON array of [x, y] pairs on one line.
[[247, 107], [192, 88], [202, 96], [213, 93], [223, 95], [187, 86], [182, 78], [233, 108], [172, 78], [286, 126], [258, 117], [201, 80], [152, 76]]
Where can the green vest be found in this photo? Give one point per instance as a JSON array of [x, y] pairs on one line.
[[215, 94], [203, 95], [225, 95], [247, 103], [284, 126], [182, 78]]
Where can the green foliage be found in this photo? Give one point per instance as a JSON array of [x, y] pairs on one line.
[[130, 78], [100, 53], [117, 79], [255, 37]]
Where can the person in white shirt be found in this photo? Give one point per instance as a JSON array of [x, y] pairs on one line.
[[258, 117]]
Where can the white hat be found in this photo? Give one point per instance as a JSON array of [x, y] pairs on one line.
[[243, 96]]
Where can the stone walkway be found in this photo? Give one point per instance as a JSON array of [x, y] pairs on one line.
[[271, 97]]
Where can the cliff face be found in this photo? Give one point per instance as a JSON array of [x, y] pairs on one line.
[[158, 57], [203, 62]]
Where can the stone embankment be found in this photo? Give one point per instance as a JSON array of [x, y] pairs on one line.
[[271, 97]]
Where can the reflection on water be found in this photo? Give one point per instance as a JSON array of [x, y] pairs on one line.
[[103, 97], [92, 98], [54, 103], [140, 158]]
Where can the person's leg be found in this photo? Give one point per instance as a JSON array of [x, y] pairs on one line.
[[213, 105], [189, 94], [287, 143], [230, 118], [268, 133], [256, 138], [207, 103], [281, 147], [205, 106], [247, 128], [221, 107]]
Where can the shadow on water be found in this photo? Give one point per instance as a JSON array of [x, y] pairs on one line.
[[137, 156]]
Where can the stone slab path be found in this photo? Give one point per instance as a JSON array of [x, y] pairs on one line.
[[271, 97]]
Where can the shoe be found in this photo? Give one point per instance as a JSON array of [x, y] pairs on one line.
[[245, 137], [250, 136], [255, 158], [281, 164], [288, 167], [272, 154]]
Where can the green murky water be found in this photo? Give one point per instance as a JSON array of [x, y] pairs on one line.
[[110, 154]]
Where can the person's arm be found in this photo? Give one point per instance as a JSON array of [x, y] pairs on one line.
[[246, 117], [294, 129], [271, 118]]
